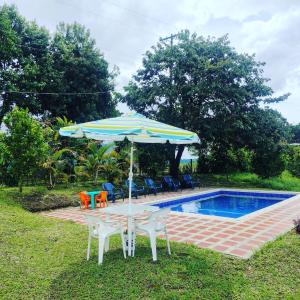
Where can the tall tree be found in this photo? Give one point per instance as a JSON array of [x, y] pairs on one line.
[[24, 61], [32, 61], [202, 85], [80, 68]]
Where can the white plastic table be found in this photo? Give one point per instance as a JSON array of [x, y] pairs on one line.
[[129, 211]]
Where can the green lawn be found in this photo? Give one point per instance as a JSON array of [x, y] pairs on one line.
[[285, 181], [43, 258]]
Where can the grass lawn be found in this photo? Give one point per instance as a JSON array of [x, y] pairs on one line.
[[285, 181], [43, 258]]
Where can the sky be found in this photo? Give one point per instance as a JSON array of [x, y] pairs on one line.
[[124, 30]]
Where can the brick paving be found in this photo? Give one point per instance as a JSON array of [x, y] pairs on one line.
[[239, 237]]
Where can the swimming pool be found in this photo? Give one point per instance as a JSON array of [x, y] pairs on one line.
[[225, 203]]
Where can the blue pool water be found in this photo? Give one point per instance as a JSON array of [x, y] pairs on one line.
[[231, 204]]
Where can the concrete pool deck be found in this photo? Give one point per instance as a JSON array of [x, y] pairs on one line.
[[239, 237]]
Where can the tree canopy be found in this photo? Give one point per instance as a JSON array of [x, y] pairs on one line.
[[33, 61], [201, 84]]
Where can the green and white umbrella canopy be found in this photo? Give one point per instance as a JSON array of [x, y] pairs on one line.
[[133, 126]]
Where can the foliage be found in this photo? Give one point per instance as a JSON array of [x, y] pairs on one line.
[[47, 260], [25, 143], [294, 161], [152, 159], [202, 85], [80, 67], [95, 159], [232, 160], [25, 62], [31, 60], [270, 143], [295, 133]]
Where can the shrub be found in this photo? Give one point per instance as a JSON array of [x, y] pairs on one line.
[[269, 161], [294, 161], [40, 201]]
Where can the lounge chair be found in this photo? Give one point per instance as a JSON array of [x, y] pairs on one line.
[[189, 181], [153, 187], [171, 184], [135, 189], [113, 192]]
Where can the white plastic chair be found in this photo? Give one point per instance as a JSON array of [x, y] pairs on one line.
[[102, 230], [155, 225]]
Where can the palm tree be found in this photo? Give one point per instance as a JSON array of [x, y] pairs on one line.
[[55, 163], [96, 158]]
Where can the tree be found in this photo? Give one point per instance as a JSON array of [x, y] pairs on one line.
[[81, 68], [25, 62], [25, 144], [202, 85], [272, 132], [294, 160], [295, 133], [96, 159], [33, 62]]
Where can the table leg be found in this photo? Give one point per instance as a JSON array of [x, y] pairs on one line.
[[129, 229], [93, 201]]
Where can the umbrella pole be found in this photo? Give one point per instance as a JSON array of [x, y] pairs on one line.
[[130, 172]]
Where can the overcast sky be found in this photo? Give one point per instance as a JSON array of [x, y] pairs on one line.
[[126, 29]]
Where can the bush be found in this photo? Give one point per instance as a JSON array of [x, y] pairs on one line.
[[294, 161], [40, 201], [269, 161]]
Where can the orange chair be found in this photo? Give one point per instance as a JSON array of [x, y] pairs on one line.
[[101, 198], [85, 199]]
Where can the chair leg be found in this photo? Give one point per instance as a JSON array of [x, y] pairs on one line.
[[101, 250], [123, 243], [89, 248], [168, 243], [106, 244], [153, 246]]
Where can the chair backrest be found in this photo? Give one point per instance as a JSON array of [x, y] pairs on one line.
[[94, 224], [103, 196], [108, 187], [168, 180], [159, 217], [149, 182], [133, 185], [84, 196]]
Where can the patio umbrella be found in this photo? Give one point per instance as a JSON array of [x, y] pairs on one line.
[[136, 128]]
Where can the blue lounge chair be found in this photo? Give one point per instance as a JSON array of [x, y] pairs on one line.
[[135, 190], [113, 192], [171, 184], [153, 187], [189, 182]]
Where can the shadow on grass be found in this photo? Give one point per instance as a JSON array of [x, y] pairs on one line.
[[188, 273]]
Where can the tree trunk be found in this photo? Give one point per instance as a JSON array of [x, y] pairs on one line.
[[20, 184], [175, 161]]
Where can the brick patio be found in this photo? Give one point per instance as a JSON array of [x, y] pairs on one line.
[[238, 237]]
